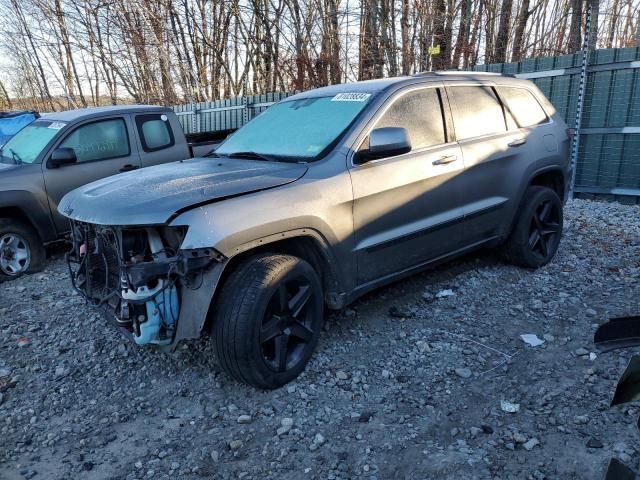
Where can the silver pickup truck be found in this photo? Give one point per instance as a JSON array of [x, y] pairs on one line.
[[65, 150]]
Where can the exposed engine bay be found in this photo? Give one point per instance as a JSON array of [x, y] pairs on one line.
[[137, 275]]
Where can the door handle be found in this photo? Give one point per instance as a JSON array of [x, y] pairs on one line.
[[517, 142], [445, 159], [128, 168]]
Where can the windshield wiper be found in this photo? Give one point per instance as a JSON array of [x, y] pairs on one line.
[[16, 158], [252, 156]]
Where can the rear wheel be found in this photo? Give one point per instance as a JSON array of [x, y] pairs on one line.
[[536, 235], [267, 321], [21, 250]]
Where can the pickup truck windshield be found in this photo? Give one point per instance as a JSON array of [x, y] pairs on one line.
[[29, 142], [296, 129]]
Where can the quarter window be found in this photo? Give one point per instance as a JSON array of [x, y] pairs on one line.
[[476, 112], [99, 140], [155, 132], [420, 112], [522, 106]]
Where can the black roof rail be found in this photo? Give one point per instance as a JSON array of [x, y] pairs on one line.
[[461, 72]]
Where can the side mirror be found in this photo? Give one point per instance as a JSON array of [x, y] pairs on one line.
[[386, 142], [62, 156]]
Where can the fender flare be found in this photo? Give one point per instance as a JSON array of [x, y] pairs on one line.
[[32, 210]]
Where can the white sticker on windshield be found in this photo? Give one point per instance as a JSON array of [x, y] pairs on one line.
[[56, 125], [351, 97]]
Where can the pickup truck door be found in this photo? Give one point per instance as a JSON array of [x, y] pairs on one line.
[[407, 208], [160, 138], [103, 147]]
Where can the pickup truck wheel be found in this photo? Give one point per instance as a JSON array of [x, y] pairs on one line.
[[536, 235], [267, 320], [21, 250]]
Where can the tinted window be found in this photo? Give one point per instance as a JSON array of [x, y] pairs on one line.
[[99, 140], [523, 106], [476, 111], [155, 132], [420, 113]]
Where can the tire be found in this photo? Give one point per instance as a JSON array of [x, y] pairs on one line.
[[536, 235], [21, 250], [267, 320]]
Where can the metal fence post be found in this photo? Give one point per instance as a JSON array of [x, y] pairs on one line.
[[579, 108], [245, 110]]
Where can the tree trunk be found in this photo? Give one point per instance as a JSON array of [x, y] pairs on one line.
[[521, 25], [575, 30], [440, 12], [462, 42]]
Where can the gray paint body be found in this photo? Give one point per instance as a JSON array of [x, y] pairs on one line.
[[375, 222], [36, 189]]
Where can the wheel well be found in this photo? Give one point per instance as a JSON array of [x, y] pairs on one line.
[[15, 213], [305, 247], [552, 179]]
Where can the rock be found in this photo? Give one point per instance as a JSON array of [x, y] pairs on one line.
[[235, 444], [445, 293], [531, 444], [475, 431], [581, 352], [591, 312], [341, 375], [244, 419], [215, 456], [463, 372], [594, 443], [60, 372], [428, 297], [581, 419], [509, 407], [23, 342]]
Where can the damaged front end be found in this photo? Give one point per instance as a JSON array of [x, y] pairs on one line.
[[141, 278]]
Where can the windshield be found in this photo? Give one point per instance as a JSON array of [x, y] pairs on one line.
[[29, 142], [297, 129]]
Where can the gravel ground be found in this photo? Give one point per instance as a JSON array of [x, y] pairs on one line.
[[409, 382]]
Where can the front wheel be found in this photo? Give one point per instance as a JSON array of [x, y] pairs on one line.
[[267, 320], [21, 250], [536, 234]]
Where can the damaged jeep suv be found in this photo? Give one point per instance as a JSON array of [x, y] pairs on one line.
[[323, 197]]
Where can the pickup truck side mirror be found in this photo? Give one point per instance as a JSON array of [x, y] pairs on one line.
[[385, 142], [62, 156]]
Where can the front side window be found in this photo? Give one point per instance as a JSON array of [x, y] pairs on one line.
[[476, 111], [99, 140], [522, 106], [420, 113], [27, 144], [155, 132], [301, 129]]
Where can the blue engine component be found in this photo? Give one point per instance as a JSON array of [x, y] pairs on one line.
[[162, 313]]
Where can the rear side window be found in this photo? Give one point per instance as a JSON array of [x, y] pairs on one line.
[[99, 140], [155, 132], [522, 106], [476, 111], [418, 111]]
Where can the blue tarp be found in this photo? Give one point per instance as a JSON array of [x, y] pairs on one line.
[[12, 123]]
